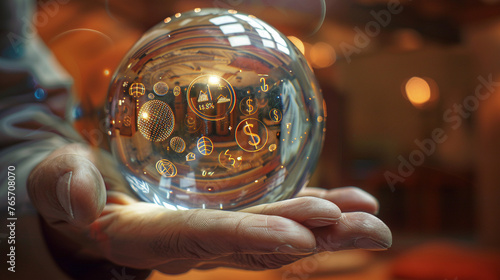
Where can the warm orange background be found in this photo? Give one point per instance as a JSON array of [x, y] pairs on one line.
[[445, 215]]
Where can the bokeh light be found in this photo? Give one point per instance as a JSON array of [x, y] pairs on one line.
[[421, 92], [322, 55], [298, 43]]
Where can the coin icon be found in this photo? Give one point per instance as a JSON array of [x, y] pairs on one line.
[[251, 135], [229, 159], [275, 115], [160, 88], [192, 123], [272, 148], [248, 106], [177, 90]]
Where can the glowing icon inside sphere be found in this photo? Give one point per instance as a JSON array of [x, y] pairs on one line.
[[177, 144], [160, 88], [211, 97], [215, 109], [155, 120], [166, 168], [137, 89], [205, 146]]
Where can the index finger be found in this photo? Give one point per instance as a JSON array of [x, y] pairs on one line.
[[348, 199], [146, 235]]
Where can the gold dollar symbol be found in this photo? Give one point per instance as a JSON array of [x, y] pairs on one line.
[[275, 115], [264, 87], [230, 158], [249, 106], [254, 138]]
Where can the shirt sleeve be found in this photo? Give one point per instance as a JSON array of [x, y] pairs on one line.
[[34, 91]]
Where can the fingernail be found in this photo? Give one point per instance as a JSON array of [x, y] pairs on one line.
[[289, 249], [321, 222], [369, 244], [63, 193]]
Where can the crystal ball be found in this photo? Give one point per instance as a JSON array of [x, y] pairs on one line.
[[215, 109]]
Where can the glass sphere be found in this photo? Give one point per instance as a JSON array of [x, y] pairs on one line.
[[215, 109]]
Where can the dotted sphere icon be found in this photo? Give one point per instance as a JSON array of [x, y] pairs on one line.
[[156, 120]]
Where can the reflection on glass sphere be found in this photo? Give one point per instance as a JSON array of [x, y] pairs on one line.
[[215, 109]]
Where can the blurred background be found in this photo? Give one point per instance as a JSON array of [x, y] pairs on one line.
[[413, 96]]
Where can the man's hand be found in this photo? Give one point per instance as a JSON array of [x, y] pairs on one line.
[[68, 189]]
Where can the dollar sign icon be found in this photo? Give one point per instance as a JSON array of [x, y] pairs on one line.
[[226, 160], [254, 138], [264, 87], [249, 106], [275, 115], [230, 158], [251, 135]]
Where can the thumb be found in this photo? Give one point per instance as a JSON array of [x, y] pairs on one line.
[[67, 188]]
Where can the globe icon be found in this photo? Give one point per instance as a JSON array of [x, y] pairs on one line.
[[205, 146], [214, 109]]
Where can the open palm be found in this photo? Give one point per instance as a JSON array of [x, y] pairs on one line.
[[84, 219]]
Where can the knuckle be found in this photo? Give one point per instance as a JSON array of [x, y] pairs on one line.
[[182, 242], [304, 201], [165, 245]]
